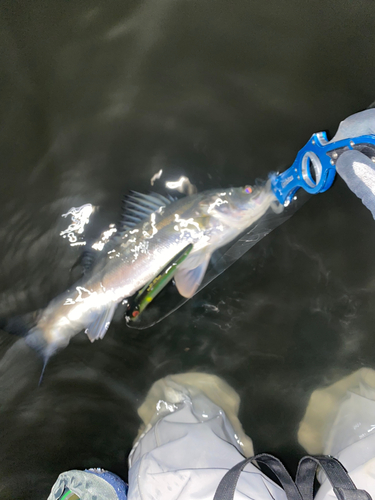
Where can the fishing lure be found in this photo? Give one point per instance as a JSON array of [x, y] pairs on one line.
[[143, 298]]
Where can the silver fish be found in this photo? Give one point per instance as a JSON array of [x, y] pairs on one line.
[[157, 230]]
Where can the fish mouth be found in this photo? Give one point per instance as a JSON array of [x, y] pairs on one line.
[[258, 196]]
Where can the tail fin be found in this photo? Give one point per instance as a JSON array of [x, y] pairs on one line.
[[46, 359], [26, 326], [35, 339]]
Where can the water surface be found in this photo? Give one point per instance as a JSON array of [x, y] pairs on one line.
[[95, 98]]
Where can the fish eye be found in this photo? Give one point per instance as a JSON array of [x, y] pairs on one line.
[[248, 189]]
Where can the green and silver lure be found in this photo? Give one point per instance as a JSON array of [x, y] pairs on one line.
[[145, 296]]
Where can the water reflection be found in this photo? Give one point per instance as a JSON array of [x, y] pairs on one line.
[[80, 217]]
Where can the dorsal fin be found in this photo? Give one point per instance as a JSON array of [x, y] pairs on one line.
[[84, 263], [138, 206], [135, 207]]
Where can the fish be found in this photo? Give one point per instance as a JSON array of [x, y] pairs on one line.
[[154, 230]]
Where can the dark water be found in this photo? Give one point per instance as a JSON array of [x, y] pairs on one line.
[[98, 96]]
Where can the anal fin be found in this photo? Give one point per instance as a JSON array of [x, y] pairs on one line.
[[99, 327]]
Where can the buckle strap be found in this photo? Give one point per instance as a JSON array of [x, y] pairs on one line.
[[303, 488], [343, 486], [228, 484]]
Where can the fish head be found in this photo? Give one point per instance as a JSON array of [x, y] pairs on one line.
[[239, 207]]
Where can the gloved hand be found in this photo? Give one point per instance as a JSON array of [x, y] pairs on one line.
[[357, 166]]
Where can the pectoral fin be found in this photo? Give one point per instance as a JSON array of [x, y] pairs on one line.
[[190, 276], [99, 327]]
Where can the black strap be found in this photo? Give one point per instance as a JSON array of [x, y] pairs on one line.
[[343, 486], [303, 488], [228, 484]]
